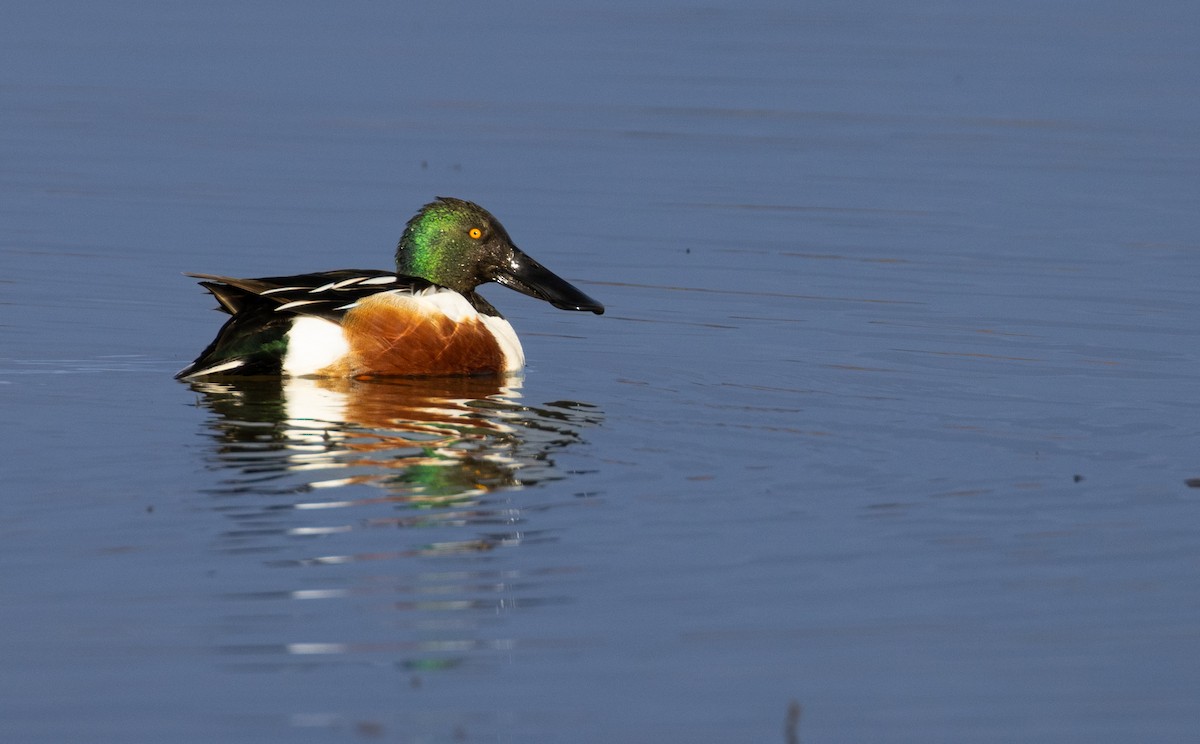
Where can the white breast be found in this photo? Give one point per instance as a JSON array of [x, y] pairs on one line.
[[510, 345], [456, 308]]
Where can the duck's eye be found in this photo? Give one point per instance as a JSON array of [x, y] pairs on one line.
[[475, 233]]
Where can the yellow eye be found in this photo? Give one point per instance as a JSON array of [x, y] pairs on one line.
[[475, 233]]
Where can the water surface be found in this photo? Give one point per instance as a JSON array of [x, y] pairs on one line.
[[892, 415]]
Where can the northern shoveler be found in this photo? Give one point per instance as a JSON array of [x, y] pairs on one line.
[[424, 319]]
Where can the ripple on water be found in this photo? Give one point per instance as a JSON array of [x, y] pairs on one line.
[[400, 501]]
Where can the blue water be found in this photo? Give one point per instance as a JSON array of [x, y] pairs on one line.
[[892, 415]]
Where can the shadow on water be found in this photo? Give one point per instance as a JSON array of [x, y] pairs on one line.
[[404, 497]]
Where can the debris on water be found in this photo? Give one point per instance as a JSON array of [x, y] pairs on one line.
[[791, 725]]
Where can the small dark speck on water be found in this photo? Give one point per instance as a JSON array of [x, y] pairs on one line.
[[1077, 478], [791, 724], [369, 729], [1192, 482]]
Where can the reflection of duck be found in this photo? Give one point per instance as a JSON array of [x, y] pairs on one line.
[[432, 441], [392, 506], [426, 319]]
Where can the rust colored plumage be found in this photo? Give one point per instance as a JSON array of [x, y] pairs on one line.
[[393, 335]]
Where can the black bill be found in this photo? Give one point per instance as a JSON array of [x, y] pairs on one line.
[[529, 277]]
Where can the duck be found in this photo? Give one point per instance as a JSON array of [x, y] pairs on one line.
[[425, 319]]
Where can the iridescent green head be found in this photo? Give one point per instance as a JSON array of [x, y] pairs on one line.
[[460, 245]]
